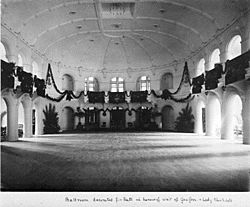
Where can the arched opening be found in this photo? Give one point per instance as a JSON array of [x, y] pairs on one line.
[[232, 120], [92, 118], [143, 118], [143, 83], [68, 119], [34, 120], [67, 82], [21, 120], [117, 84], [167, 81], [234, 47], [215, 58], [200, 67], [91, 84], [4, 119], [3, 52], [213, 115], [200, 117], [117, 118], [168, 123], [35, 69]]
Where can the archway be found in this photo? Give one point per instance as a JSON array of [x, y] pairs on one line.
[[35, 69], [21, 120], [213, 115], [200, 117], [4, 115], [168, 123], [92, 118], [215, 58], [117, 118], [232, 118], [143, 116], [234, 47], [68, 119], [200, 67], [34, 120]]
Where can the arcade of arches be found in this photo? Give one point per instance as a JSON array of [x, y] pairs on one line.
[[100, 53]]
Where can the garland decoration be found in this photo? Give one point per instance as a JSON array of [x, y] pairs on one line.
[[166, 94]]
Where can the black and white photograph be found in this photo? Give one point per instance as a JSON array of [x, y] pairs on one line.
[[125, 103]]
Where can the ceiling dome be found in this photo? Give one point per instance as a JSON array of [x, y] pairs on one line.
[[118, 35]]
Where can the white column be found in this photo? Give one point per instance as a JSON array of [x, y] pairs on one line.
[[227, 128], [12, 121], [39, 121], [198, 118], [246, 117], [211, 116], [198, 121], [28, 119]]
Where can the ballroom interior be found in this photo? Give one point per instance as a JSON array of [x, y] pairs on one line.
[[125, 95]]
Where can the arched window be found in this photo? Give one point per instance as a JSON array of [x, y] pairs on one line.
[[200, 67], [167, 81], [91, 84], [35, 69], [117, 84], [144, 83], [19, 60], [67, 83], [215, 58], [234, 47], [3, 52]]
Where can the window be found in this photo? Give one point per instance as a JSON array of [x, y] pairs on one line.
[[90, 84], [215, 58], [144, 83], [200, 67], [234, 47], [3, 53], [167, 81], [117, 84]]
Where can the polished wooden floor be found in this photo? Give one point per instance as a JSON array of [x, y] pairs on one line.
[[125, 162]]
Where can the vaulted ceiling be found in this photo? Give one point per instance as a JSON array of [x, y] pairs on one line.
[[119, 35]]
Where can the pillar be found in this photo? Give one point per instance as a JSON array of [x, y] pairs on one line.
[[198, 118], [39, 121], [12, 120], [211, 115], [27, 105], [227, 127], [246, 117]]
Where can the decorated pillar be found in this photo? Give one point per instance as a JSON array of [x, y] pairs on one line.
[[246, 117]]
